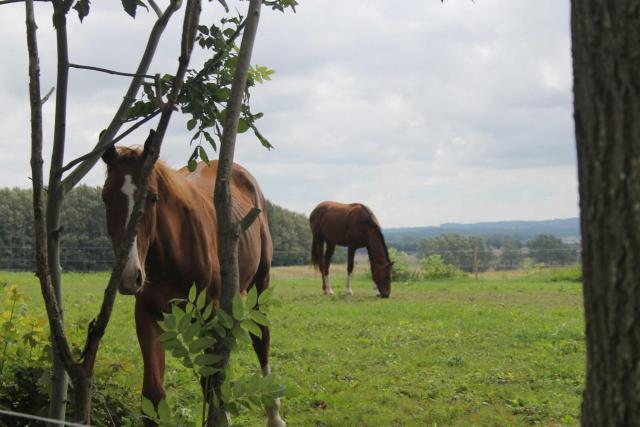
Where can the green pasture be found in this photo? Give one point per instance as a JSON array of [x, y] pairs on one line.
[[504, 350]]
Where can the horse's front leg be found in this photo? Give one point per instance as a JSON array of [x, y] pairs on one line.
[[261, 346], [148, 331]]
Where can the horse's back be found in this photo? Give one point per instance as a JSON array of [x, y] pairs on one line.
[[255, 247], [338, 222]]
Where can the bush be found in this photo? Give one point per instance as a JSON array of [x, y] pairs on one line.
[[401, 270], [25, 368], [434, 267]]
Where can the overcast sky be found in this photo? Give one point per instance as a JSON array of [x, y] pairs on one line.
[[427, 112]]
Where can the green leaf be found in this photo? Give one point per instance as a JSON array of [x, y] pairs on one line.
[[203, 154], [82, 6], [260, 318], [210, 140], [222, 94], [193, 330], [252, 298], [170, 321], [203, 29], [164, 413], [265, 295], [179, 352], [185, 321], [252, 327], [206, 371], [207, 311], [192, 165], [202, 299], [225, 319], [243, 126], [177, 312], [130, 7], [241, 334], [200, 344], [207, 359], [193, 292], [148, 408], [192, 123], [168, 336], [237, 307]]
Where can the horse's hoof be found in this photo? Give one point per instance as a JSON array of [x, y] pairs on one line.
[[349, 292], [276, 422]]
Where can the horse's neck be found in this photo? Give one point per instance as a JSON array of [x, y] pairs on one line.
[[376, 247], [179, 236]]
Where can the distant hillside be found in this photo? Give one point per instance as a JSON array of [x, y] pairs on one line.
[[407, 238]]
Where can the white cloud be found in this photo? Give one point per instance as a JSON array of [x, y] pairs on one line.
[[427, 112]]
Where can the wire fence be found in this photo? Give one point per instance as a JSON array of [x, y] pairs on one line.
[[94, 258]]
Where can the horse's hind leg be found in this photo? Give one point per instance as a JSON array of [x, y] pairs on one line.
[[351, 255], [261, 347], [326, 285]]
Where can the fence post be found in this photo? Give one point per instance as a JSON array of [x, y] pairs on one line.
[[475, 262]]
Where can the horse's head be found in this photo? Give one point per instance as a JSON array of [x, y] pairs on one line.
[[382, 278], [123, 174]]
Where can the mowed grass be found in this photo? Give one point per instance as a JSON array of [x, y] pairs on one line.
[[504, 350]]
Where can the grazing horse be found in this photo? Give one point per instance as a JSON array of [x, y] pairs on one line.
[[353, 226], [176, 245]]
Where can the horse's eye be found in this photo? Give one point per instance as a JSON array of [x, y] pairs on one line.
[[153, 197]]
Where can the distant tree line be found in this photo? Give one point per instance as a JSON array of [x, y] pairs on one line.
[[500, 252], [87, 247]]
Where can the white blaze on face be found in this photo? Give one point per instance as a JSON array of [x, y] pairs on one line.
[[131, 268]]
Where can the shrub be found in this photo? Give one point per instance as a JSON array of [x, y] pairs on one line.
[[401, 270], [434, 267], [25, 369]]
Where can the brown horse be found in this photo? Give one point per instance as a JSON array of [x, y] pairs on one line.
[[353, 226], [177, 245]]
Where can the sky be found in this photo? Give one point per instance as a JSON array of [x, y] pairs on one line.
[[427, 112]]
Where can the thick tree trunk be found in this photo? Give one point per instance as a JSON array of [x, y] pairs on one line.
[[606, 62]]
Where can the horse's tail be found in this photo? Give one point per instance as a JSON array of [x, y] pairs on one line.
[[317, 242], [316, 251]]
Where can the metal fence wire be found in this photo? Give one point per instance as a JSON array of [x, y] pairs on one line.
[[100, 258]]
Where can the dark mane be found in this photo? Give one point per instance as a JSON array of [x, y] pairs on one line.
[[378, 229], [172, 181]]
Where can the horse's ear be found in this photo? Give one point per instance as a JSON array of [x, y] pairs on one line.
[[110, 153], [147, 143]]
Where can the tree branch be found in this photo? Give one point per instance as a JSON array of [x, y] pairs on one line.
[[46, 97], [155, 8], [99, 152], [105, 70], [152, 151], [107, 137], [43, 272], [249, 219], [3, 2]]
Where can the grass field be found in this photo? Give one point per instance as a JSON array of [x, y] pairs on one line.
[[504, 350]]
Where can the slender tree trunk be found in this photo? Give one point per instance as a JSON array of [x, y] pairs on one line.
[[606, 63], [59, 379], [228, 228]]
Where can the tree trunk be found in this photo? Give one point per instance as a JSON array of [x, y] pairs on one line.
[[59, 379], [228, 228], [606, 63]]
